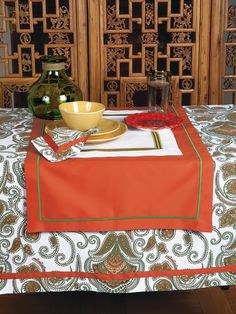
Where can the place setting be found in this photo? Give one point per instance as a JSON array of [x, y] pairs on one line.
[[81, 123], [88, 130], [106, 129], [76, 143]]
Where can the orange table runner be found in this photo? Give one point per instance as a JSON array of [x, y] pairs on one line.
[[122, 193]]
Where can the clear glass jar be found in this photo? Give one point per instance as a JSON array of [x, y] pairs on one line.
[[158, 83], [52, 88]]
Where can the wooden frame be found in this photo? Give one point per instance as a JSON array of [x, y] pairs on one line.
[[81, 27], [94, 50], [204, 52], [216, 69]]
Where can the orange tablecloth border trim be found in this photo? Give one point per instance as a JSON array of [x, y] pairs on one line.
[[121, 276]]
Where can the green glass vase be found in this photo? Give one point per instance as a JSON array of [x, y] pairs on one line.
[[52, 88]]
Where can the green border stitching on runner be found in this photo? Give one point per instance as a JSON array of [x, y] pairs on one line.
[[130, 217], [38, 179], [200, 167]]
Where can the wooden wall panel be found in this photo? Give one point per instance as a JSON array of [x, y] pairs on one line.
[[223, 52], [119, 41], [229, 53], [137, 36]]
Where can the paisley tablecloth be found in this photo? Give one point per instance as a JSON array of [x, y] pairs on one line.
[[47, 262]]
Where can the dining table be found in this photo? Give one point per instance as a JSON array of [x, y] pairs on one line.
[[111, 255]]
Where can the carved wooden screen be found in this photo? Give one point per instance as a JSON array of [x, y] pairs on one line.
[[31, 28], [222, 87], [126, 39], [138, 36], [229, 72]]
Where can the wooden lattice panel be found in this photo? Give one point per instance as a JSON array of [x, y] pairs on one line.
[[139, 36], [28, 30], [229, 73]]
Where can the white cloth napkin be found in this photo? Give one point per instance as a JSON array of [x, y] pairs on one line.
[[134, 142]]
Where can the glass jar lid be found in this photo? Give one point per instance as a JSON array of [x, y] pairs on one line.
[[53, 63]]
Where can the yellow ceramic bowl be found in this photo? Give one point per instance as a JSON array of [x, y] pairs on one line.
[[81, 115]]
